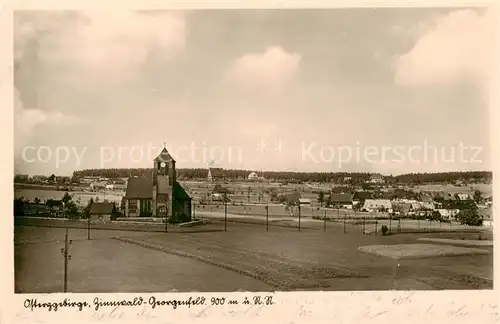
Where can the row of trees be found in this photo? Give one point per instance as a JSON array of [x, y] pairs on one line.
[[337, 177], [69, 208]]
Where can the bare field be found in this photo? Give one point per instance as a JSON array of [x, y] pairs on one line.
[[246, 257]]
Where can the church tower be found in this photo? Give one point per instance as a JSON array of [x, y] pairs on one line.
[[163, 183]]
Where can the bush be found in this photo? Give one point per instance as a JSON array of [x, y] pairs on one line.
[[469, 217], [384, 229]]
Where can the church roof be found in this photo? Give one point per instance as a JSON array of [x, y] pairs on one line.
[[139, 188], [164, 156], [102, 208], [180, 193]]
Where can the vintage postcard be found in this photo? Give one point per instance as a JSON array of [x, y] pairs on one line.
[[229, 161]]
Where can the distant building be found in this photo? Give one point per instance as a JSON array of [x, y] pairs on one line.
[[465, 196], [374, 205], [342, 200], [96, 186], [376, 178], [21, 178], [216, 174], [403, 209], [101, 211], [448, 213], [253, 176], [304, 201], [89, 179]]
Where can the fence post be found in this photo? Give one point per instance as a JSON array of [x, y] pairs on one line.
[[376, 223], [324, 222], [299, 215], [345, 215], [194, 212], [88, 228], [390, 224], [364, 231], [267, 217], [225, 213]]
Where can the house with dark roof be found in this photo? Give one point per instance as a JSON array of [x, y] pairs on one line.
[[100, 212], [343, 200], [158, 194], [215, 174]]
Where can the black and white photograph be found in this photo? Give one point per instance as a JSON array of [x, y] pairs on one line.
[[253, 150]]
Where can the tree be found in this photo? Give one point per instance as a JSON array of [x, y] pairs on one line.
[[469, 217], [115, 213], [321, 197], [327, 201], [71, 209], [435, 216], [66, 198], [18, 207], [477, 196], [86, 210]]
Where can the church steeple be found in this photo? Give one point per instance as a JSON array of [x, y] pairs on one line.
[[164, 156]]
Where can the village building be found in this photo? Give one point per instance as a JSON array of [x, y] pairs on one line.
[[341, 200], [375, 205], [465, 196], [403, 209], [376, 178], [100, 212], [304, 201], [253, 176], [98, 186], [215, 174], [158, 194]]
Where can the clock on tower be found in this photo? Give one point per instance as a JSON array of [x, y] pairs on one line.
[[163, 168]]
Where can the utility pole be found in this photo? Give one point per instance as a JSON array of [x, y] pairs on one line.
[[267, 217], [299, 216], [166, 220], [225, 212], [67, 257], [324, 222], [345, 215], [88, 228]]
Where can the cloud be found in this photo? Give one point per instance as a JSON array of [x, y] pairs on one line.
[[25, 120], [103, 43], [457, 48], [273, 69]]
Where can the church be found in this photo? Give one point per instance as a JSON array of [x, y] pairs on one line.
[[158, 194]]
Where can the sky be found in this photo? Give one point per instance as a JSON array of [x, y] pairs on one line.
[[338, 90]]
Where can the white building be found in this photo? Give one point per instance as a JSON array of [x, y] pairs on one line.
[[448, 213], [374, 205], [253, 176]]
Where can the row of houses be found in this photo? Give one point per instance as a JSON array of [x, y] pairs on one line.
[[218, 174], [106, 184], [408, 207]]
